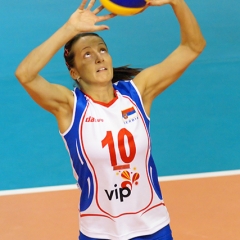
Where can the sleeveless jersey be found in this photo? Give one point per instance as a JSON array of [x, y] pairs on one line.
[[110, 149]]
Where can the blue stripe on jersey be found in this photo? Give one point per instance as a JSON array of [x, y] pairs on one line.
[[85, 178], [154, 177]]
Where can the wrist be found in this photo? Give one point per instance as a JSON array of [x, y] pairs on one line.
[[67, 32], [173, 3]]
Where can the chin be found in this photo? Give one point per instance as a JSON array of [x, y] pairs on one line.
[[106, 78]]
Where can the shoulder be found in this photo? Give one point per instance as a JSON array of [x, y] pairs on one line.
[[125, 87]]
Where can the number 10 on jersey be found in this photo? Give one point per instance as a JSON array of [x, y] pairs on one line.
[[124, 138]]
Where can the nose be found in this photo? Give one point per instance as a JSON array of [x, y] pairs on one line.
[[99, 58]]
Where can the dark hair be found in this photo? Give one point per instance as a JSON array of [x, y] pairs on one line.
[[119, 73]]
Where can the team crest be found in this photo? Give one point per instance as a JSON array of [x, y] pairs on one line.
[[129, 115]]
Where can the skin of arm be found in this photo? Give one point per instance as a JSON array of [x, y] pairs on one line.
[[151, 82], [44, 93], [154, 80], [53, 97]]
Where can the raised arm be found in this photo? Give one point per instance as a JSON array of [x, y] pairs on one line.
[[154, 80], [52, 97]]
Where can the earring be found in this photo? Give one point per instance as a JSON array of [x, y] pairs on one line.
[[78, 79]]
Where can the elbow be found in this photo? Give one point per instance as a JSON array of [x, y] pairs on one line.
[[198, 46], [19, 74], [202, 44], [22, 75]]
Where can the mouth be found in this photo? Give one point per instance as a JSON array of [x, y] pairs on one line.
[[101, 69]]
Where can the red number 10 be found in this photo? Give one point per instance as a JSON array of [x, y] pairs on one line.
[[108, 141]]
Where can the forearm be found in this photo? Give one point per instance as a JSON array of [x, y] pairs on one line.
[[38, 58], [191, 35]]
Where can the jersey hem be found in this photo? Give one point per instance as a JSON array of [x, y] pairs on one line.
[[128, 236]]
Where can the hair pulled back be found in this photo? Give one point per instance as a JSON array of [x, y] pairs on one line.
[[119, 74]]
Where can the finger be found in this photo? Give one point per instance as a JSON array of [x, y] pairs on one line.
[[101, 28], [90, 5], [82, 5], [98, 9], [156, 2], [106, 17]]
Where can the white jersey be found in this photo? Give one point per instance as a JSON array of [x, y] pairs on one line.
[[110, 149]]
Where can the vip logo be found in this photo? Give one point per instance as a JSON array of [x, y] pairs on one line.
[[118, 193], [126, 186], [92, 119]]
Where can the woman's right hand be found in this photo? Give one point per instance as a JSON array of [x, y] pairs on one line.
[[84, 20]]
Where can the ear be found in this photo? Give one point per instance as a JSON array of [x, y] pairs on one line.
[[74, 74]]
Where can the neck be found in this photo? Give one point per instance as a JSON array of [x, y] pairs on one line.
[[103, 94]]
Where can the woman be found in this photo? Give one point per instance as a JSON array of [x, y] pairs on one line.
[[105, 125]]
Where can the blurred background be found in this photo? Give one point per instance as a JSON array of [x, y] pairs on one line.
[[195, 123]]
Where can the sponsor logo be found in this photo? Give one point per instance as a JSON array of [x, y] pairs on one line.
[[118, 193], [129, 179], [92, 119]]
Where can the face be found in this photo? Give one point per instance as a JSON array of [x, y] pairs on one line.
[[93, 64]]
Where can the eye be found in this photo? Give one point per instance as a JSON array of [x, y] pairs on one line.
[[87, 55], [103, 50]]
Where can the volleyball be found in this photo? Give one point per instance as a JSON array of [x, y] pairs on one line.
[[124, 7]]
